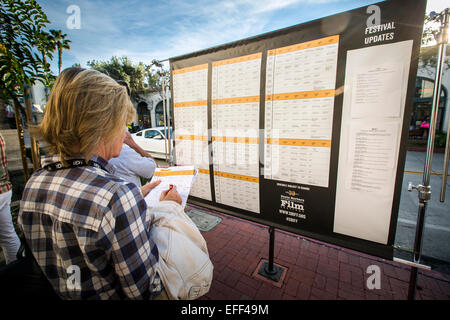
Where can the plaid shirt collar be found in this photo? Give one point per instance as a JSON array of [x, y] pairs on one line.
[[49, 159]]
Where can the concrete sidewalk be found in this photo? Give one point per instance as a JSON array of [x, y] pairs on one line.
[[315, 270]]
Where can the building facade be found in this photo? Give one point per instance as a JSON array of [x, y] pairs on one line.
[[423, 99], [149, 110]]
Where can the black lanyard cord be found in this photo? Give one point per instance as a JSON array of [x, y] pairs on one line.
[[73, 163]]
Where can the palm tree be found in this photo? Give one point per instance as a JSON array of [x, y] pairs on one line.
[[50, 46], [61, 44], [46, 46]]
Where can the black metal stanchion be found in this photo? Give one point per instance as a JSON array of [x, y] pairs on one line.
[[417, 245], [268, 269]]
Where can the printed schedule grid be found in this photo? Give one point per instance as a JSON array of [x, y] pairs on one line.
[[190, 87], [235, 131], [300, 89]]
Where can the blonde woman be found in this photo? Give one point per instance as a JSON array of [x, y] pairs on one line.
[[88, 229]]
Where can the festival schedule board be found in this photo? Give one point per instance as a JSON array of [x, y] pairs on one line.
[[306, 127], [235, 131], [190, 87]]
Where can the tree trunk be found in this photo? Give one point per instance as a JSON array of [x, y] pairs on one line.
[[33, 142], [23, 152], [60, 58]]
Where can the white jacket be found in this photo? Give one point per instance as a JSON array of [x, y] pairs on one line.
[[184, 265]]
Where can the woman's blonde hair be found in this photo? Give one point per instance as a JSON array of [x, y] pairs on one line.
[[85, 106]]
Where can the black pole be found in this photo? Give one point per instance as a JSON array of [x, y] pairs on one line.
[[270, 269], [419, 230], [417, 248]]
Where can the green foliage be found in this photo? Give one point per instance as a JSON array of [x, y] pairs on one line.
[[430, 30], [153, 80], [428, 53], [139, 77], [60, 43], [23, 45]]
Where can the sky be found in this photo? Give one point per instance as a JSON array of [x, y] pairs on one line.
[[144, 30]]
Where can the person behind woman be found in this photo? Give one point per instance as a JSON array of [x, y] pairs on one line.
[[134, 163], [80, 220], [8, 238]]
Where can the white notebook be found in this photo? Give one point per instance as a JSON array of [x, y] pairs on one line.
[[182, 177]]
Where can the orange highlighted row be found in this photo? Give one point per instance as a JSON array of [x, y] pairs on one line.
[[190, 103], [299, 142], [190, 69], [204, 171], [269, 97], [304, 45], [174, 173], [238, 59], [236, 176], [191, 137], [236, 100], [236, 139], [301, 95]]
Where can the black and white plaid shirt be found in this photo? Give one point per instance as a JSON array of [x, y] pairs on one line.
[[88, 218]]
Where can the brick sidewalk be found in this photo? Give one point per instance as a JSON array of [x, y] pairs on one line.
[[315, 270]]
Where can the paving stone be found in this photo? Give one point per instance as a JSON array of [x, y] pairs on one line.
[[322, 295], [304, 291], [291, 287], [319, 282]]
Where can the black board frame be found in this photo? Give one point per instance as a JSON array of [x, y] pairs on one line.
[[408, 17]]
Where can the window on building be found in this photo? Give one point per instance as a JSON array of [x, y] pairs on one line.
[[144, 118], [159, 115], [420, 116]]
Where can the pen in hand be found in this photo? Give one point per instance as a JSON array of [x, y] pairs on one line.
[[171, 194]]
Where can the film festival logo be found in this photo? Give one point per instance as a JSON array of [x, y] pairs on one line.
[[74, 20]]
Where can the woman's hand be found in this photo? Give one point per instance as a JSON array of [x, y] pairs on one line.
[[145, 189], [171, 195]]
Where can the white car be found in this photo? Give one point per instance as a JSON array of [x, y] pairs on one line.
[[153, 141]]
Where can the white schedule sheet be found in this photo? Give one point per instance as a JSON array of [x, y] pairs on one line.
[[181, 177], [300, 89], [235, 131], [190, 88], [372, 120]]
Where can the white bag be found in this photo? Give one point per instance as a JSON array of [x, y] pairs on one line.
[[184, 265]]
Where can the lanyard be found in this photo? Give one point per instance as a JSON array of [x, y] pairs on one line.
[[73, 163]]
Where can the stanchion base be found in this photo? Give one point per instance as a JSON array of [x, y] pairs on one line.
[[274, 275]]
